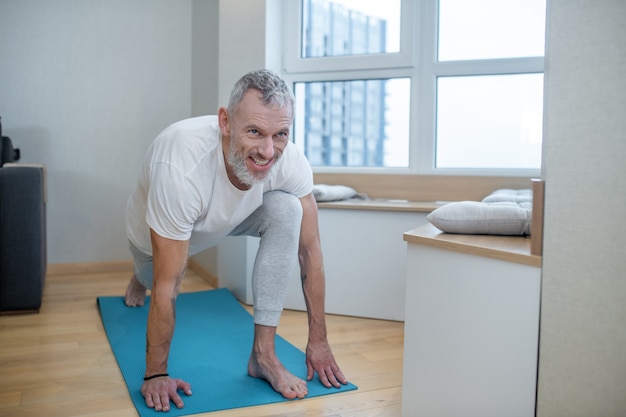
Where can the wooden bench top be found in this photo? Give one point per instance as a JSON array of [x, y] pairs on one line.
[[506, 248], [383, 205]]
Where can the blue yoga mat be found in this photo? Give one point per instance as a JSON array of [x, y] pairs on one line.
[[210, 350]]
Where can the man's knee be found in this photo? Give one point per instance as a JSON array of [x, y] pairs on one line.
[[143, 267], [283, 207]]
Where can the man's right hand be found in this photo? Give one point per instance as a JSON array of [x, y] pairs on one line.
[[169, 258], [159, 392]]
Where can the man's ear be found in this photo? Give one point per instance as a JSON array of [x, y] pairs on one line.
[[223, 121]]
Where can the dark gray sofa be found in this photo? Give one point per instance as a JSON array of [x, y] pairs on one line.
[[23, 253]]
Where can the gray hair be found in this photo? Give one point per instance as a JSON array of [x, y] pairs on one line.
[[273, 89]]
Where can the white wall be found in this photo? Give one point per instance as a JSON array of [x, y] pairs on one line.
[[244, 45], [204, 57], [582, 358], [84, 88]]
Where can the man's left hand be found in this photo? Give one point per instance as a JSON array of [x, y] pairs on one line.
[[320, 359]]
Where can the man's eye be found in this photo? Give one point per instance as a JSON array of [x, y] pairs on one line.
[[254, 131]]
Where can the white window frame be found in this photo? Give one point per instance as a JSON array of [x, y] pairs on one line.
[[417, 60]]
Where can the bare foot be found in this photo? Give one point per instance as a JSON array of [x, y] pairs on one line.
[[273, 371], [135, 293]]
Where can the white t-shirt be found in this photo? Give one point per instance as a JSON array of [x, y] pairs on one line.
[[183, 191]]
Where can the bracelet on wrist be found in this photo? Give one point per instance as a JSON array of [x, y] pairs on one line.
[[148, 378]]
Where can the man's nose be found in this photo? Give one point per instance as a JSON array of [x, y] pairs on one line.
[[266, 147]]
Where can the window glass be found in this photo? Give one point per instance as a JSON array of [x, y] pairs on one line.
[[488, 29], [489, 121], [349, 27], [357, 123]]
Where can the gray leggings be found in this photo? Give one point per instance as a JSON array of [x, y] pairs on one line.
[[277, 222]]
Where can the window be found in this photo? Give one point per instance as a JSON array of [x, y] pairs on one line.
[[475, 113], [430, 87], [349, 27], [355, 123], [490, 29]]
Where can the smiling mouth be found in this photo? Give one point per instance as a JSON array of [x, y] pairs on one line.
[[260, 162]]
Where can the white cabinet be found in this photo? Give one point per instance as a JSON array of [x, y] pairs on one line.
[[471, 328], [364, 260]]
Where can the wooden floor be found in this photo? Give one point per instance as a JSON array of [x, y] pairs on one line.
[[59, 363]]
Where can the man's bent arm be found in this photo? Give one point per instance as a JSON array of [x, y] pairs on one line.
[[169, 259], [319, 355]]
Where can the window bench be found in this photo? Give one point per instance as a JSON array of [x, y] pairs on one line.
[[364, 254], [472, 325], [364, 258]]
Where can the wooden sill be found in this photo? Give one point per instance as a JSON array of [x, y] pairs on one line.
[[383, 205], [506, 248], [423, 187]]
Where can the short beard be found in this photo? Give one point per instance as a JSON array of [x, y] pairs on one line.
[[238, 164]]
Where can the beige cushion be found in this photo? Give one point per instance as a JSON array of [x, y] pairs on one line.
[[473, 217]]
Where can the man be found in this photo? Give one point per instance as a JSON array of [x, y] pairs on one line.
[[232, 174]]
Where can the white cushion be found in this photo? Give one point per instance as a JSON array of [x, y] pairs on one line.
[[473, 217], [506, 194], [324, 192]]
